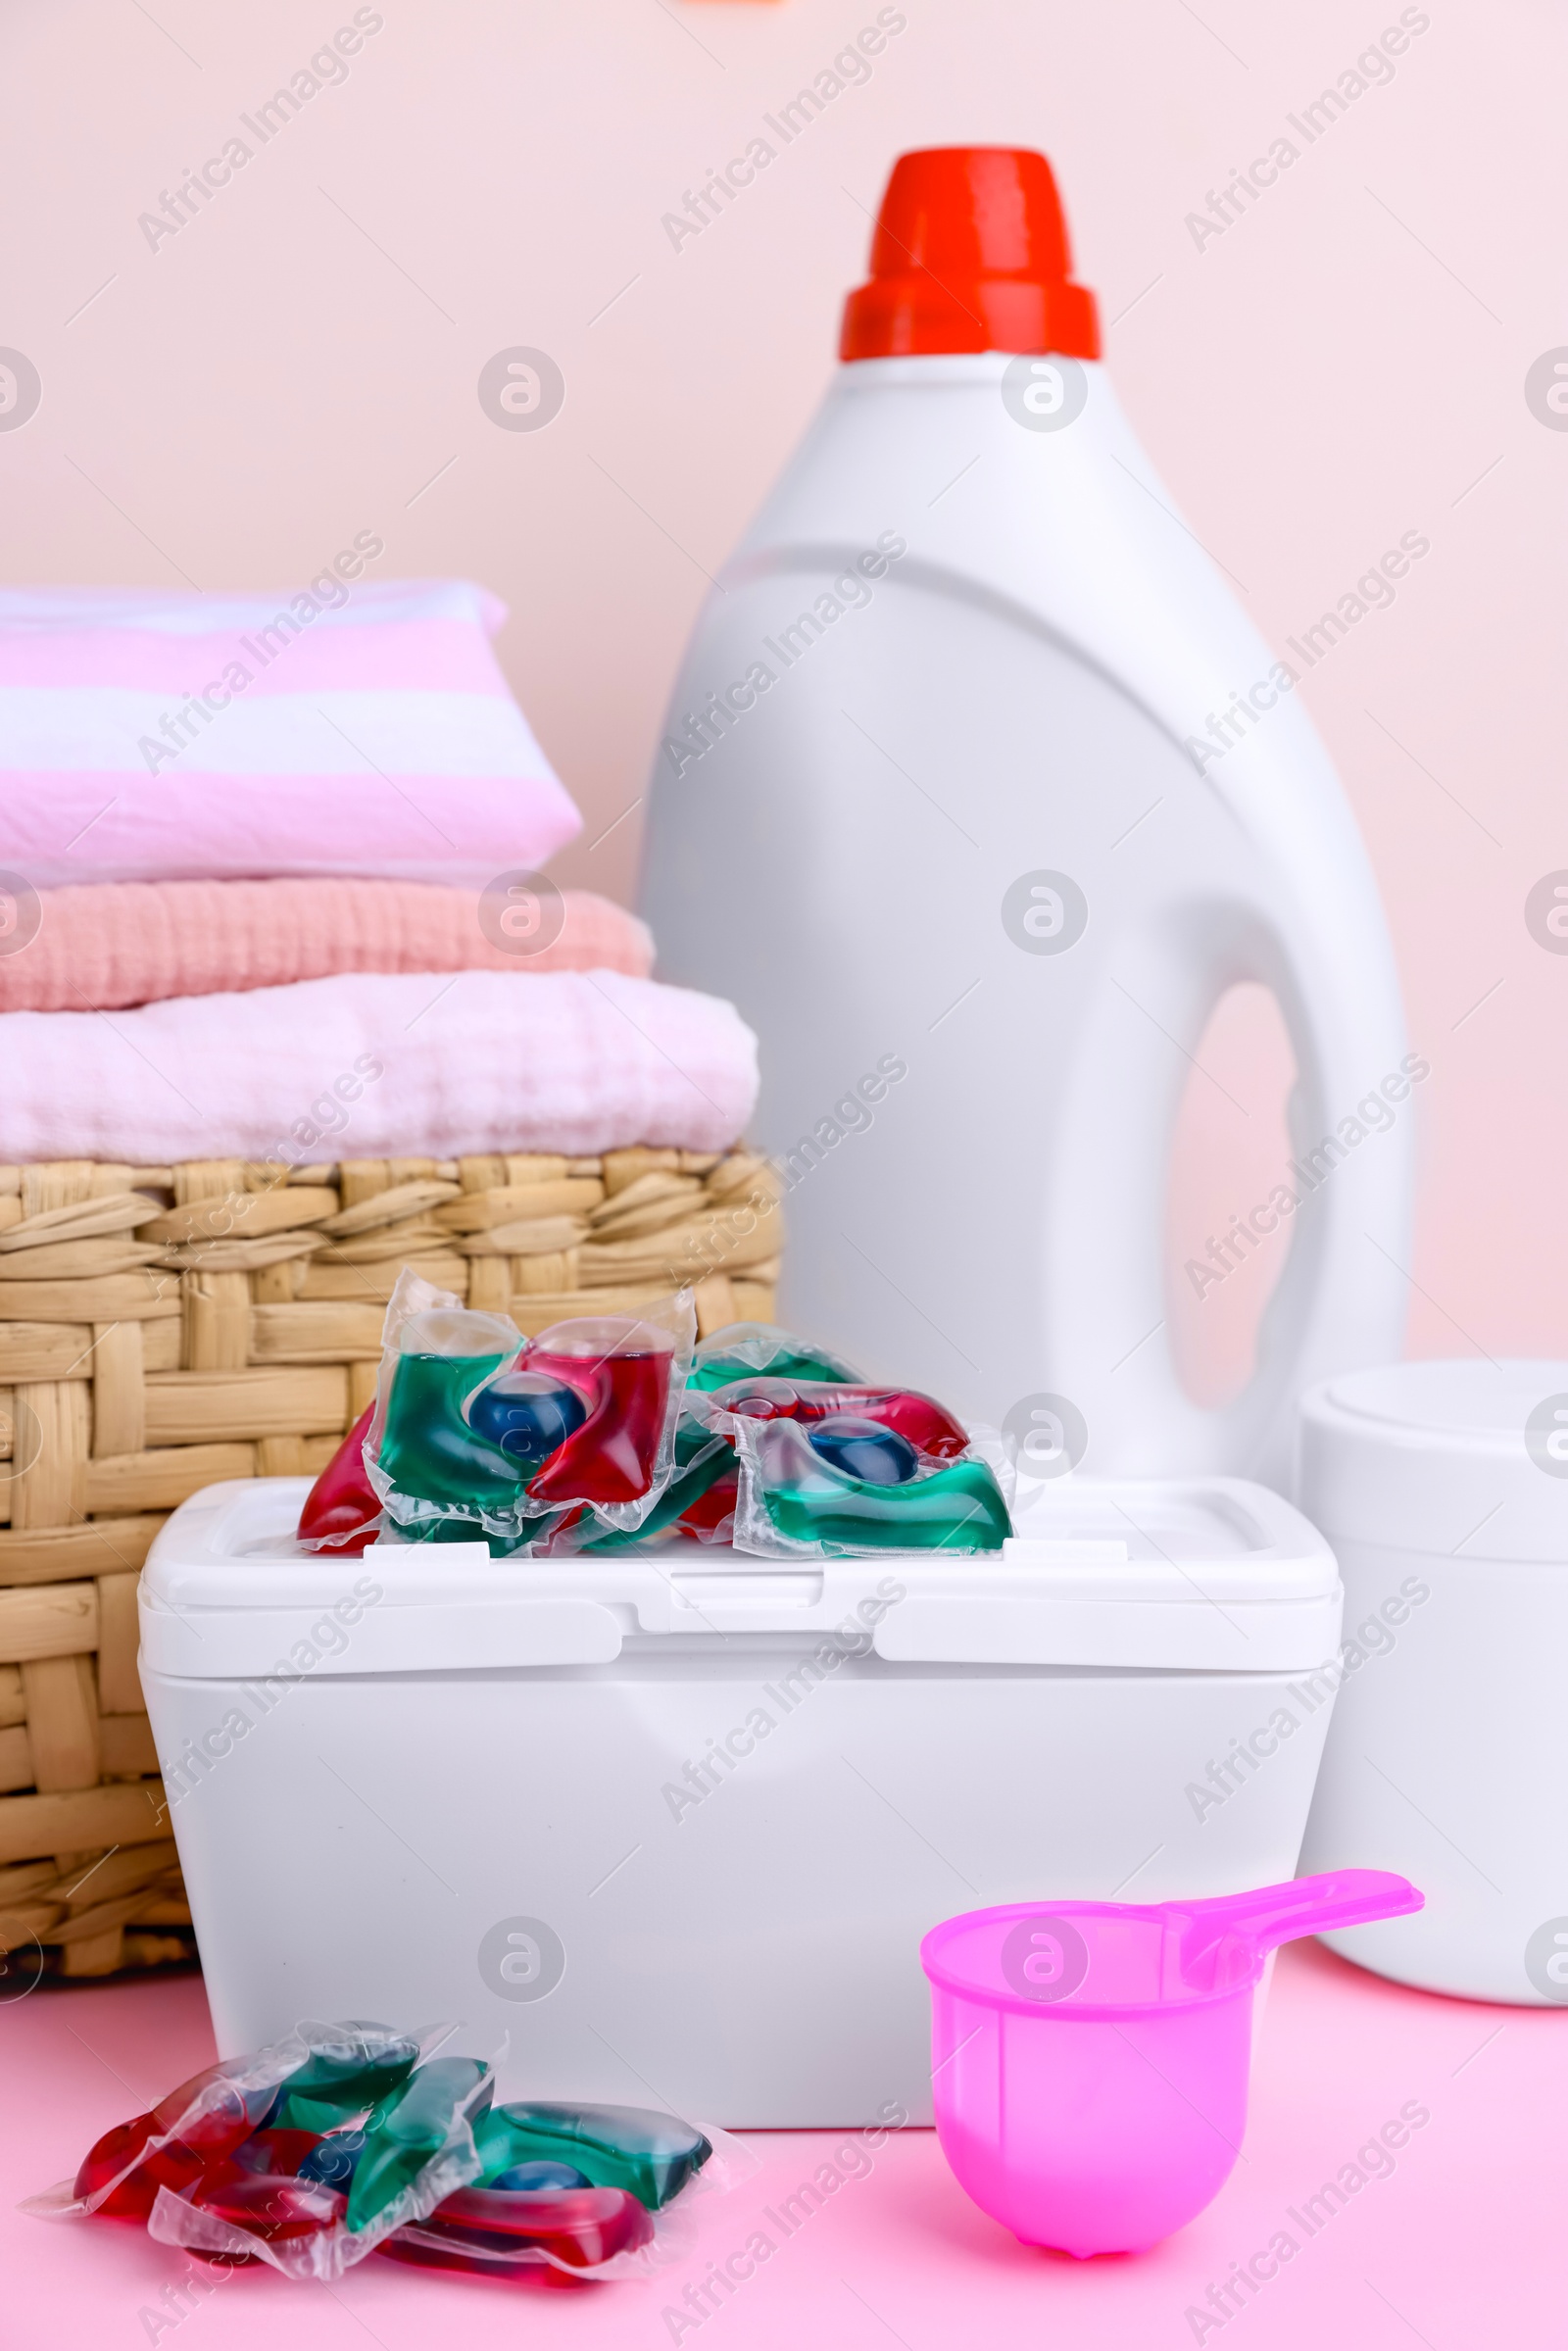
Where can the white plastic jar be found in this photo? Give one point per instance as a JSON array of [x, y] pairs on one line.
[[1442, 1488]]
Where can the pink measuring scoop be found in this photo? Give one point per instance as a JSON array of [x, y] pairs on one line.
[[1090, 2059]]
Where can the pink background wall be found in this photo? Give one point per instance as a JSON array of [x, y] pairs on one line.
[[1344, 364]]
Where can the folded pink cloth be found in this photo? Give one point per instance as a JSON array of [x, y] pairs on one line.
[[371, 1065], [352, 726], [108, 943]]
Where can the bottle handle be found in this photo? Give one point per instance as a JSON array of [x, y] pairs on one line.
[[1340, 1296]]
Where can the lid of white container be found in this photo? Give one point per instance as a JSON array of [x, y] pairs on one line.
[[1467, 1459], [1208, 1574]]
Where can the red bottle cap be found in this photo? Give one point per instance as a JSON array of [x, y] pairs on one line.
[[970, 254]]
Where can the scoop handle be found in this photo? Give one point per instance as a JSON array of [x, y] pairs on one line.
[[1276, 1914]]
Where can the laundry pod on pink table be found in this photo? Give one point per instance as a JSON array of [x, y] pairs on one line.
[[1090, 2059]]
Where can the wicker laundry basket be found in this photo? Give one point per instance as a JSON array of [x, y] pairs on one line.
[[165, 1327]]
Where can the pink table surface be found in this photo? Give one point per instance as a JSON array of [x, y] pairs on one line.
[[1462, 2244]]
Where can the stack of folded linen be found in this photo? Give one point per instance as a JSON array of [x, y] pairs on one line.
[[257, 853]]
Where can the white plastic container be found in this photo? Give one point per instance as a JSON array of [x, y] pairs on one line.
[[977, 790], [1444, 1489], [477, 1792]]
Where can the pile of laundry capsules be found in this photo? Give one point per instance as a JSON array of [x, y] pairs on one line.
[[338, 2142], [614, 1431]]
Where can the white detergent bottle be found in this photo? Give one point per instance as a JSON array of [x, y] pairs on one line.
[[976, 794]]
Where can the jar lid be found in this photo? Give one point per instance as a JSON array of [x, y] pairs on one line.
[[1466, 1458]]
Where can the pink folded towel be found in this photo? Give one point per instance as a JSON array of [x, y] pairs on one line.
[[372, 1066], [108, 945], [355, 727]]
